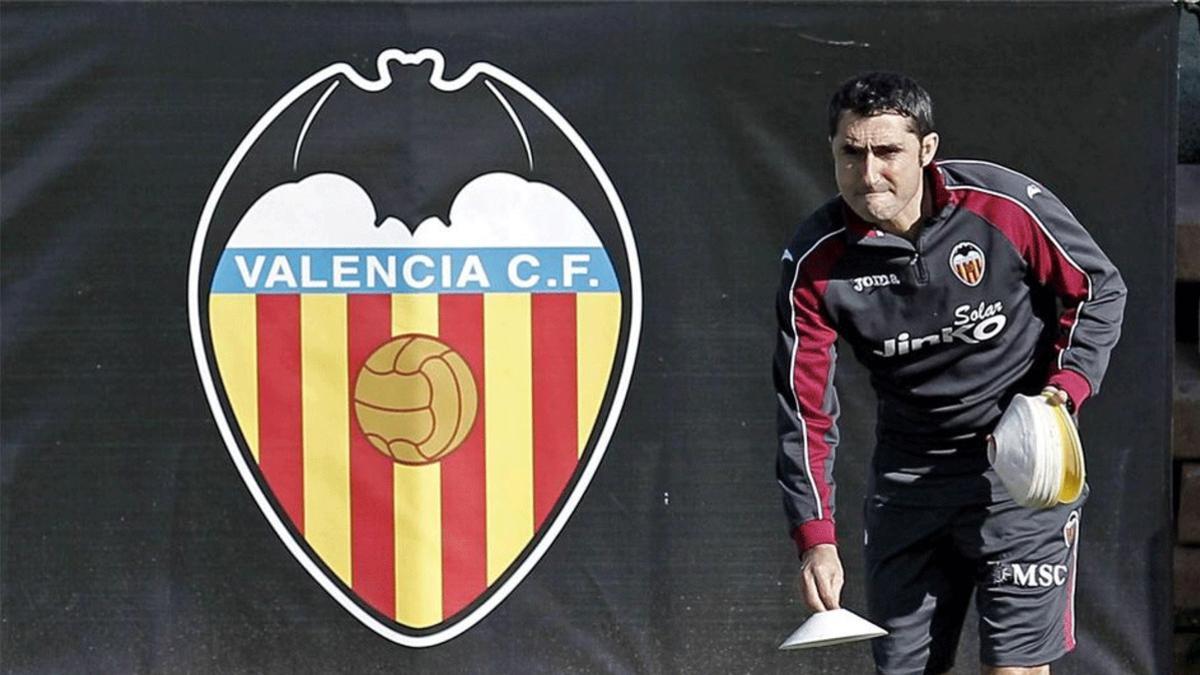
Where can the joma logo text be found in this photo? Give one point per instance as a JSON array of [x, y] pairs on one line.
[[874, 281]]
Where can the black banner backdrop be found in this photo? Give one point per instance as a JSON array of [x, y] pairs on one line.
[[131, 545]]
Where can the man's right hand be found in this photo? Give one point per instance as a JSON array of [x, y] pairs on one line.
[[821, 577]]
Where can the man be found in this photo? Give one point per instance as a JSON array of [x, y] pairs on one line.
[[958, 284]]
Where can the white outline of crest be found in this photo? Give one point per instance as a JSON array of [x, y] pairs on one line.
[[982, 257], [436, 79]]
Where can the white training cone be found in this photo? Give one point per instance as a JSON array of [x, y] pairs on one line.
[[1035, 451], [833, 627], [1013, 450]]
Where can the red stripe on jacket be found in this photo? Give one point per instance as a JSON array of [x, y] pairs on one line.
[[811, 366]]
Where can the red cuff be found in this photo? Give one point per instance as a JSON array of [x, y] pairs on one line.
[[812, 533], [1074, 384]]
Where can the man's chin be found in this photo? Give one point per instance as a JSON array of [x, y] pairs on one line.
[[871, 216]]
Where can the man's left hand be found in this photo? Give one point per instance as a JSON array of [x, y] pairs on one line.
[[1057, 396]]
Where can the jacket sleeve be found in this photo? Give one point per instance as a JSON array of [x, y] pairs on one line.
[[1065, 258], [807, 404]]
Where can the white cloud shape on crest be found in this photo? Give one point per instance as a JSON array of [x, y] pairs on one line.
[[494, 210]]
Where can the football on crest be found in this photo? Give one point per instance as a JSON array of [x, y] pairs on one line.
[[415, 399]]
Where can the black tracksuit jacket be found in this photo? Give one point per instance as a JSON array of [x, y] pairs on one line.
[[1002, 293]]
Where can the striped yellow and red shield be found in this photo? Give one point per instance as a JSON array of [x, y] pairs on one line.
[[418, 543], [968, 263], [286, 317], [970, 271]]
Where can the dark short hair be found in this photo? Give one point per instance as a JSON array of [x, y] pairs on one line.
[[877, 93]]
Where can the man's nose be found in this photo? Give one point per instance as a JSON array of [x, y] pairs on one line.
[[870, 169]]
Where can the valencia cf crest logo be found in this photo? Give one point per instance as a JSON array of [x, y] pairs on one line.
[[415, 301], [968, 263], [1071, 529]]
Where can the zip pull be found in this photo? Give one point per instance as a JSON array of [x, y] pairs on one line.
[[919, 264]]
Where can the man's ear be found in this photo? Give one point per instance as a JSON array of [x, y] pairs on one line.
[[929, 146]]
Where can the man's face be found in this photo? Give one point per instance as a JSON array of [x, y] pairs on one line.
[[878, 162]]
